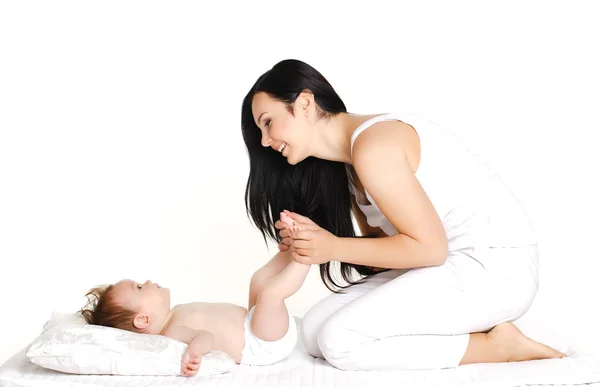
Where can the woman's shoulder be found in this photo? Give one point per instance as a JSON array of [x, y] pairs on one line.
[[387, 140]]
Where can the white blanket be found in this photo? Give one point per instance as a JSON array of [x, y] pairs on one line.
[[300, 369]]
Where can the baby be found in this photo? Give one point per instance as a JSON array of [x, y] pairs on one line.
[[263, 334]]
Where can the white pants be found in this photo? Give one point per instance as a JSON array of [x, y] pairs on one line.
[[421, 318]]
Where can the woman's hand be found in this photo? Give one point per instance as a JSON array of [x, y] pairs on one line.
[[312, 244]]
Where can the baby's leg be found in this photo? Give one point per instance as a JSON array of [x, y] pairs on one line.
[[263, 275], [270, 321], [272, 268]]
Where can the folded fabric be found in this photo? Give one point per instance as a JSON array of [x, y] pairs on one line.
[[68, 344]]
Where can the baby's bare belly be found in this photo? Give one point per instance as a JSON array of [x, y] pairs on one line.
[[225, 321], [231, 333]]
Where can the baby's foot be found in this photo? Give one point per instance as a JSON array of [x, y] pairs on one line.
[[287, 220]]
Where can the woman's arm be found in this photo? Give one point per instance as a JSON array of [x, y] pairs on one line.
[[390, 252], [382, 166]]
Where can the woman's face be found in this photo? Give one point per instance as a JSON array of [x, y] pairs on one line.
[[280, 130]]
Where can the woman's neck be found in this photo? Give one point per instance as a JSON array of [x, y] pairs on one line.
[[332, 136]]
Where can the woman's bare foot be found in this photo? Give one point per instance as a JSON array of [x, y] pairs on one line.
[[518, 347]]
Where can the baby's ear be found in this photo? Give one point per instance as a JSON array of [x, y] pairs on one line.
[[141, 321]]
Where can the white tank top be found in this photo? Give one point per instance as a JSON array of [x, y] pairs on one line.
[[474, 204]]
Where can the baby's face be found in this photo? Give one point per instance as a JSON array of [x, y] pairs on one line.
[[144, 297]]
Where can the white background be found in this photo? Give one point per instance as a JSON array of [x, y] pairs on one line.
[[121, 154]]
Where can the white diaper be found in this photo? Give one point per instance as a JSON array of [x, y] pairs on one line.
[[260, 352]]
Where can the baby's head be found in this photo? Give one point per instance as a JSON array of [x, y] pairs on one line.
[[129, 305]]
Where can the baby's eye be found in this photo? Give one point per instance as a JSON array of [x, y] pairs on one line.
[[139, 287]]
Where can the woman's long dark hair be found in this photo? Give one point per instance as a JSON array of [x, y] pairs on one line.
[[315, 188]]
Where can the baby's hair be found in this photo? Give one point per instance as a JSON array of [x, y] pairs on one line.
[[102, 309]]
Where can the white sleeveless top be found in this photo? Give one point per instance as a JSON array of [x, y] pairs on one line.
[[474, 204]]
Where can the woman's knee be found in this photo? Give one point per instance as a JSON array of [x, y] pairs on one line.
[[326, 315], [311, 325], [336, 343]]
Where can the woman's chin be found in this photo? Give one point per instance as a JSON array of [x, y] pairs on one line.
[[292, 161]]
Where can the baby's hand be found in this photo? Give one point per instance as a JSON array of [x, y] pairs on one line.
[[190, 362]]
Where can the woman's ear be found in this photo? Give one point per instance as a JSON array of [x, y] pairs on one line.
[[306, 100]]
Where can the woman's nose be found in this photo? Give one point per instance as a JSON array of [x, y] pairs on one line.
[[148, 282], [266, 140]]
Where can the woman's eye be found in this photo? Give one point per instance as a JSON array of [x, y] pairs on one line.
[[268, 123], [139, 287]]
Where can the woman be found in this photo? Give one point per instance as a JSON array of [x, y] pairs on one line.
[[448, 257]]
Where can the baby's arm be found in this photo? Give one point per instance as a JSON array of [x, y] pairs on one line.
[[199, 343]]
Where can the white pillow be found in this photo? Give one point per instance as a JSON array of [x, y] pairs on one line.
[[69, 344]]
